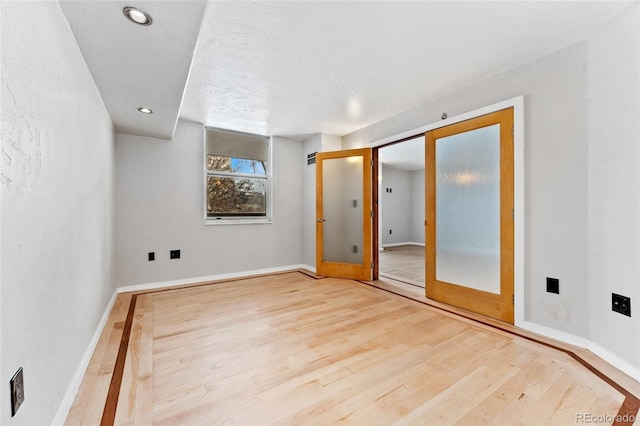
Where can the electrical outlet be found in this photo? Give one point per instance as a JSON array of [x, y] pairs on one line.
[[621, 304], [17, 391], [152, 256], [390, 232], [355, 249], [174, 254], [553, 285]]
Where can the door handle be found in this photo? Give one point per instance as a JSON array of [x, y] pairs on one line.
[[321, 220]]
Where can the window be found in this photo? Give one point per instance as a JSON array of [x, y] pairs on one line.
[[237, 177]]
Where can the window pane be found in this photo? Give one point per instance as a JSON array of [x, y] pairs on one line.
[[235, 165], [228, 196]]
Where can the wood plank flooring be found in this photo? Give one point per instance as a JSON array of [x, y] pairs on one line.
[[403, 263], [291, 349]]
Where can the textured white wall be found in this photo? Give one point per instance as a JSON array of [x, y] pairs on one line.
[[614, 184], [556, 121], [396, 206], [57, 186], [331, 142], [313, 144], [160, 207], [417, 206], [320, 142], [404, 204], [582, 182]]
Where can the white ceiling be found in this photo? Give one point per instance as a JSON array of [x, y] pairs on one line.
[[138, 66], [292, 68]]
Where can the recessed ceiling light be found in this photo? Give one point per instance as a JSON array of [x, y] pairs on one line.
[[145, 110], [136, 15]]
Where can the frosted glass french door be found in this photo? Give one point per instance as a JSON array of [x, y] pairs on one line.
[[469, 214], [344, 214]]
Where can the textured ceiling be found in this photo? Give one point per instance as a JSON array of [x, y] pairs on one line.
[[287, 68], [292, 68]]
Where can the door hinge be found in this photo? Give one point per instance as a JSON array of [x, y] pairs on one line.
[[372, 264], [512, 130], [513, 299], [371, 213], [371, 163]]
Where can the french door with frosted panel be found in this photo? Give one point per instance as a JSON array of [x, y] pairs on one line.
[[469, 214], [344, 214]]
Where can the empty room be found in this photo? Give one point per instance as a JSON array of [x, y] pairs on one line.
[[319, 212]]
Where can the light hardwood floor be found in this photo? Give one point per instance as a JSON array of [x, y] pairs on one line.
[[403, 263], [291, 349]]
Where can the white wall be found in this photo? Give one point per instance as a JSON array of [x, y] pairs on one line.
[[582, 180], [311, 145], [614, 184], [57, 186], [160, 207], [403, 209], [417, 206], [556, 121], [331, 142], [320, 142], [395, 207]]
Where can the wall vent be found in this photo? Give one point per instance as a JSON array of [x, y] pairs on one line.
[[311, 158]]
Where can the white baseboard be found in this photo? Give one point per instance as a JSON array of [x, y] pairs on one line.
[[552, 333], [394, 245], [74, 386], [309, 268], [63, 411], [615, 360], [408, 243], [193, 280], [542, 330], [581, 342]]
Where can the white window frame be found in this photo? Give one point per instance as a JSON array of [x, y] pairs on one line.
[[240, 220]]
